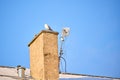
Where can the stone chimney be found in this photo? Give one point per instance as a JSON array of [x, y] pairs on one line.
[[44, 56]]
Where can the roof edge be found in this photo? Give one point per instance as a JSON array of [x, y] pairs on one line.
[[89, 75], [6, 67]]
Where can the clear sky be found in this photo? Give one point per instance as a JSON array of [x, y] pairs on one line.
[[93, 46]]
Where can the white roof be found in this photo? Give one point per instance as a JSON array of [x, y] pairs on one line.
[[10, 73]]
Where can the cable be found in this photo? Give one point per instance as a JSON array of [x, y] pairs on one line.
[[61, 67], [65, 63]]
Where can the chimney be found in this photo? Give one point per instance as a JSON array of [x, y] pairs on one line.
[[21, 72], [44, 56]]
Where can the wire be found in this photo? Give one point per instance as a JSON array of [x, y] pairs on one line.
[[61, 67], [65, 63]]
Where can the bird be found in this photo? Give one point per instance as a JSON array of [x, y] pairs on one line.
[[47, 27]]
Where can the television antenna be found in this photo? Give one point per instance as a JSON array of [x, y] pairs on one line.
[[65, 33]]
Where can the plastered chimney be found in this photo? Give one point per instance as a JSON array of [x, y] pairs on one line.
[[44, 56]]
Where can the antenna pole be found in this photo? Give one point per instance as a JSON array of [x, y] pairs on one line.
[[61, 50], [65, 32], [60, 55]]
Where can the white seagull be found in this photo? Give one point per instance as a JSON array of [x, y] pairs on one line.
[[47, 27]]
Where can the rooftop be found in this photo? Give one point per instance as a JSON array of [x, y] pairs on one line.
[[10, 73]]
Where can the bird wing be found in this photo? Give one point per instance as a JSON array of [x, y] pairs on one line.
[[48, 27]]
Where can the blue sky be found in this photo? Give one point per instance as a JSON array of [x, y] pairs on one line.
[[93, 46]]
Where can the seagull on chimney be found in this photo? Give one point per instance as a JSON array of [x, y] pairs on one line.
[[47, 27]]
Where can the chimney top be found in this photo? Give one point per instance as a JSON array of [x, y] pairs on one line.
[[43, 31]]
